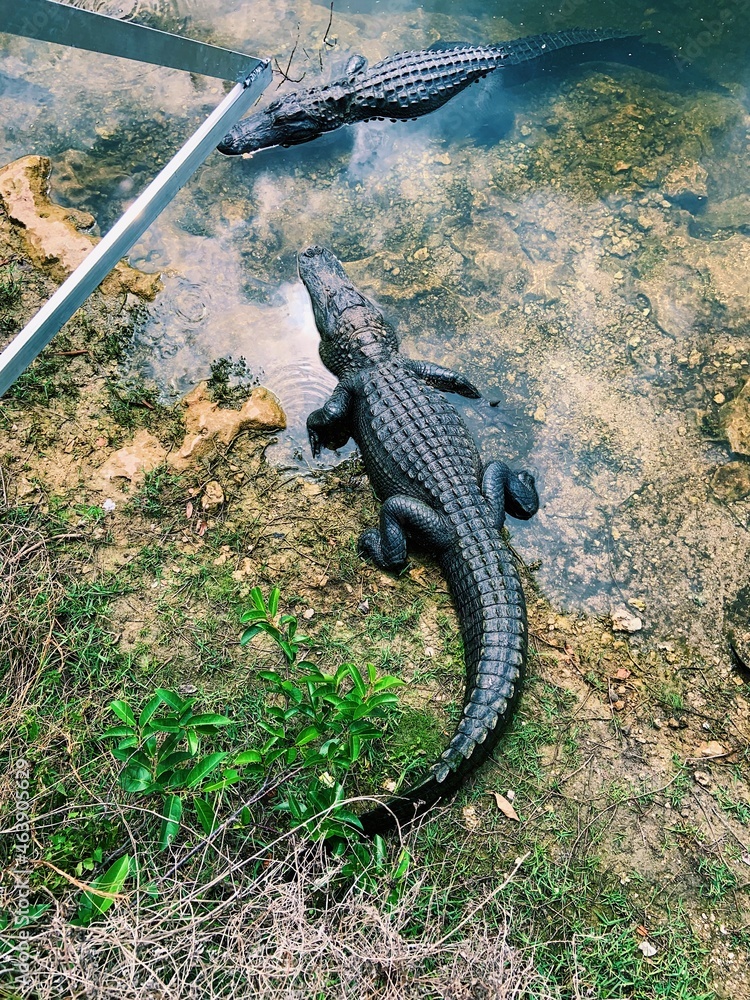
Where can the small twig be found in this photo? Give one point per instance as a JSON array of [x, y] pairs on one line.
[[104, 893], [28, 549], [328, 26], [325, 38], [285, 72]]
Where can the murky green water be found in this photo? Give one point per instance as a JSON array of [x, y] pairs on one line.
[[578, 246]]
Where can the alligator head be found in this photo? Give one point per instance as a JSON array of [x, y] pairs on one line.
[[286, 122], [353, 333]]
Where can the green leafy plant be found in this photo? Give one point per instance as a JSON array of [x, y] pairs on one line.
[[160, 753], [323, 723]]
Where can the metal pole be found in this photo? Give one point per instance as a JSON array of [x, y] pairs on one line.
[[50, 21], [21, 351]]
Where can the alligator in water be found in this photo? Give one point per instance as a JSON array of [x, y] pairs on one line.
[[435, 492], [409, 84]]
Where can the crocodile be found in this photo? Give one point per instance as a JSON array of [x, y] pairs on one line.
[[436, 494], [408, 85]]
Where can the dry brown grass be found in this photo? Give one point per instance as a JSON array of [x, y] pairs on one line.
[[27, 589], [289, 932]]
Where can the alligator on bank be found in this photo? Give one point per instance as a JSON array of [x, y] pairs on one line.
[[411, 84], [435, 492]]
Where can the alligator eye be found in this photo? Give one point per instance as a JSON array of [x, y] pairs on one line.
[[295, 115]]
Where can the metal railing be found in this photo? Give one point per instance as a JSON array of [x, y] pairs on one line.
[[51, 21]]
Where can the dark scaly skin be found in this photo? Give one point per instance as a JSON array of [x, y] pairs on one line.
[[426, 470], [403, 86]]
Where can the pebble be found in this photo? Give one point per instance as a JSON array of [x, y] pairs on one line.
[[625, 621]]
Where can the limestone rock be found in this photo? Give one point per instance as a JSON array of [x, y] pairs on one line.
[[53, 234], [738, 626], [624, 620], [207, 425], [735, 417], [731, 482], [686, 185], [144, 454], [733, 214], [213, 496]]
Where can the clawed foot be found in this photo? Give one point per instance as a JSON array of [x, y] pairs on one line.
[[315, 445], [369, 546]]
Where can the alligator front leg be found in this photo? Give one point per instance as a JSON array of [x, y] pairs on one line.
[[401, 515], [328, 427], [509, 492], [443, 378]]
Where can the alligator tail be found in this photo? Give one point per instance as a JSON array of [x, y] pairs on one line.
[[487, 591], [524, 58]]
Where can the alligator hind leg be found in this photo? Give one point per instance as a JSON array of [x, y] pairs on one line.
[[509, 492], [401, 515]]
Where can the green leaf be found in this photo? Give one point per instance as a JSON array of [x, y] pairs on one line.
[[307, 736], [380, 849], [193, 742], [249, 634], [276, 731], [252, 616], [404, 860], [118, 731], [248, 757], [273, 601], [139, 757], [204, 767], [171, 698], [355, 746], [359, 684], [365, 730], [169, 762], [123, 711], [177, 778], [206, 814], [231, 777], [171, 824], [92, 904], [210, 719], [158, 726], [389, 698], [257, 598], [31, 915], [135, 778], [149, 710], [387, 682], [289, 651], [342, 815]]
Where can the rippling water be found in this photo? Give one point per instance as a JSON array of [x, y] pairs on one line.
[[579, 246]]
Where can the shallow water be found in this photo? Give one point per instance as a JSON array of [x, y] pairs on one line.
[[570, 245]]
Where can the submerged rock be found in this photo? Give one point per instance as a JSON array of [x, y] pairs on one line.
[[738, 626], [686, 185], [53, 234], [735, 419], [733, 214], [731, 482], [208, 425]]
